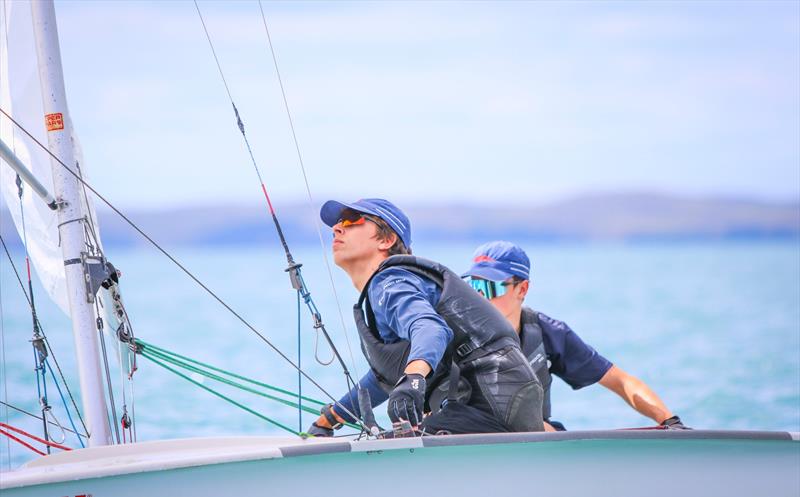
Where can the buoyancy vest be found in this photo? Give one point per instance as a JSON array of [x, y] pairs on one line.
[[532, 342], [478, 328]]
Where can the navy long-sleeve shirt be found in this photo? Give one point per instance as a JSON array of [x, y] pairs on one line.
[[404, 305]]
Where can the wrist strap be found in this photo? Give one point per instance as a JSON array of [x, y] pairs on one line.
[[331, 417]]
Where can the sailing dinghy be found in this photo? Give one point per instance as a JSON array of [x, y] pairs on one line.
[[621, 462]]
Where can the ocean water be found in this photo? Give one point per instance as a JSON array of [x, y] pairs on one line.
[[713, 328]]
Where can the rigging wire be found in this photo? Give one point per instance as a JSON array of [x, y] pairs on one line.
[[2, 315], [310, 197], [126, 422], [64, 401], [299, 378], [23, 411], [47, 342], [39, 349], [246, 140], [30, 299], [134, 436], [107, 370], [91, 234], [131, 366], [294, 268], [178, 264], [3, 360], [90, 228], [48, 353], [38, 359]]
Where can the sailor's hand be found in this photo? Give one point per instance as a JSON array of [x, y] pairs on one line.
[[407, 399], [674, 423], [320, 431], [328, 421]]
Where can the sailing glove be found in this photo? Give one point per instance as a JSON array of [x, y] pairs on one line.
[[407, 399], [674, 423]]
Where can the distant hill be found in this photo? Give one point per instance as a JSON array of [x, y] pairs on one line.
[[630, 216]]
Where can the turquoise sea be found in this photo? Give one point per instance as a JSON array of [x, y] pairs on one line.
[[712, 327]]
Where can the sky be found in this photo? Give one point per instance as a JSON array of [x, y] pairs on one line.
[[465, 102]]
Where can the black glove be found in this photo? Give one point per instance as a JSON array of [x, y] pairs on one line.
[[674, 423], [319, 431], [407, 399]]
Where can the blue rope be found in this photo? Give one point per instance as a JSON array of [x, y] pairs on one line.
[[41, 385], [44, 383], [36, 368], [299, 377], [71, 422]]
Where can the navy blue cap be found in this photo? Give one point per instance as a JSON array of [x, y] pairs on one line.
[[499, 261], [331, 212]]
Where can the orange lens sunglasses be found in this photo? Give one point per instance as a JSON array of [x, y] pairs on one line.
[[354, 219], [346, 223]]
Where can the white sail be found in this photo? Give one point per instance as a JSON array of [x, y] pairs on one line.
[[21, 97]]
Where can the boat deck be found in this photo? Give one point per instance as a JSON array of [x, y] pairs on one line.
[[166, 455]]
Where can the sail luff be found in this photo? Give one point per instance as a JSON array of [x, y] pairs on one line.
[[71, 222]]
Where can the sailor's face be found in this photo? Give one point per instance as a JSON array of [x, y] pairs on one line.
[[510, 302], [353, 239]]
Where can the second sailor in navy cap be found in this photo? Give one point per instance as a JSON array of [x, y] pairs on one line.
[[422, 326], [500, 272]]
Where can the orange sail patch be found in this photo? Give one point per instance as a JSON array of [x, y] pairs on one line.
[[54, 121]]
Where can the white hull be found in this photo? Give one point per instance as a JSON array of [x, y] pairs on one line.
[[618, 463]]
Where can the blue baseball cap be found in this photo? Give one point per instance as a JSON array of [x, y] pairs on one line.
[[499, 261], [331, 212]]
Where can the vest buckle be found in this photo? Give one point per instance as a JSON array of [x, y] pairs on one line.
[[465, 349]]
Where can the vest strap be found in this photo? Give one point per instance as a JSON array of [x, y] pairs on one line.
[[454, 379]]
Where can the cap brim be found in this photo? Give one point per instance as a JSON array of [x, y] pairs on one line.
[[331, 211], [487, 273]]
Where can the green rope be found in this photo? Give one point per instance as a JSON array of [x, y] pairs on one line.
[[157, 354], [146, 346], [223, 397]]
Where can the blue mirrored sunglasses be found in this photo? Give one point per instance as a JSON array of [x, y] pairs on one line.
[[489, 289]]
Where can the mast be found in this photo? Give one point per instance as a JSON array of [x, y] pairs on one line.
[[71, 222]]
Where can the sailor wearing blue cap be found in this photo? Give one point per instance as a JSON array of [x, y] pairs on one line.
[[420, 325], [500, 272]]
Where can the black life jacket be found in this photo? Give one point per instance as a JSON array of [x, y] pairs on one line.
[[532, 343], [478, 328]]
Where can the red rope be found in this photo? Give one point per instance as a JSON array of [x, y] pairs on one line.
[[12, 437], [269, 203], [30, 435]]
